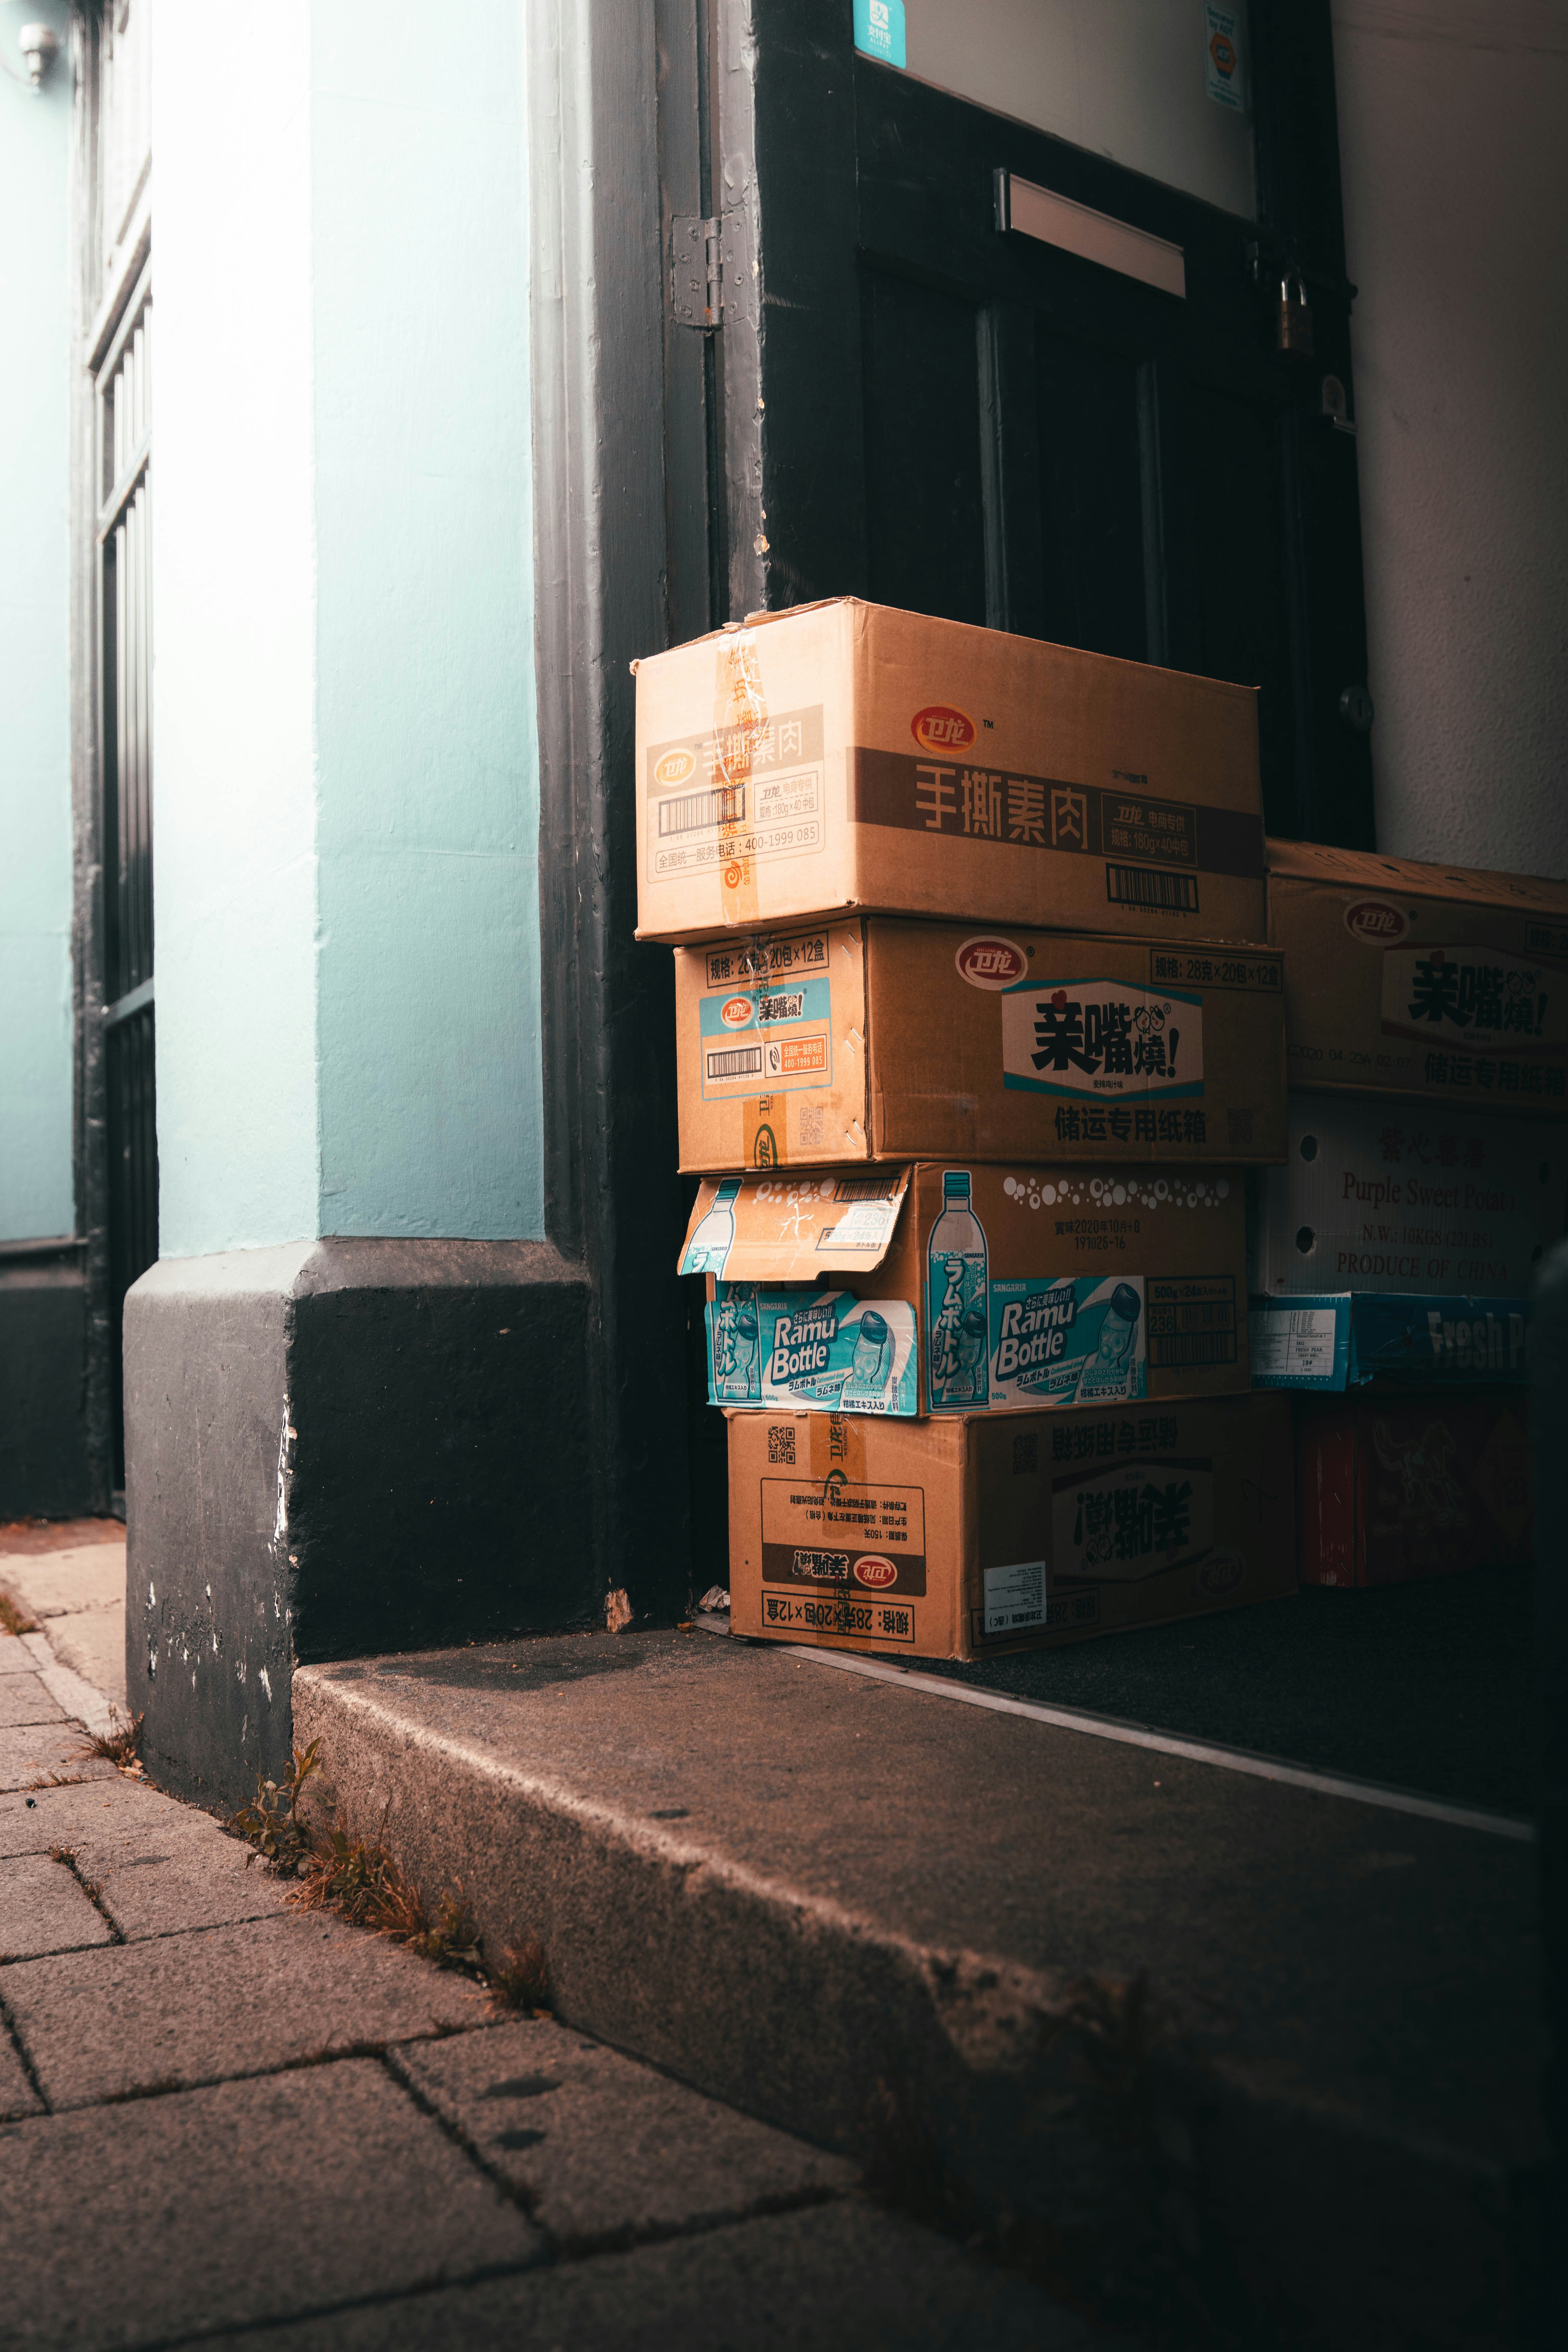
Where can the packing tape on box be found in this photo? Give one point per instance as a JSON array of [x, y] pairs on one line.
[[764, 1130], [740, 715], [837, 1448]]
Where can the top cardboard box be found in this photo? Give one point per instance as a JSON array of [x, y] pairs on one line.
[[1436, 982], [845, 758]]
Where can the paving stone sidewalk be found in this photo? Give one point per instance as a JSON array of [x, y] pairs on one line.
[[224, 2117]]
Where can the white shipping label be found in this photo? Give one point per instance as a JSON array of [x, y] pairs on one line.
[[1016, 1597], [1130, 1520], [1296, 1341], [1107, 1038], [866, 1225]]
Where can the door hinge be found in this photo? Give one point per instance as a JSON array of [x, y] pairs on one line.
[[697, 277]]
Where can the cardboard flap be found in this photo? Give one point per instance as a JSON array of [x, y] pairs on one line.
[[771, 1226], [1311, 861]]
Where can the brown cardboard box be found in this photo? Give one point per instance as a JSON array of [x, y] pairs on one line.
[[877, 1039], [844, 757], [1394, 1197], [967, 1538], [1018, 1287], [1433, 982]]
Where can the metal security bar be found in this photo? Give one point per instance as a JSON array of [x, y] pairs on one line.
[[123, 536]]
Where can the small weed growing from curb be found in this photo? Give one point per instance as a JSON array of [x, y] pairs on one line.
[[272, 1825], [521, 1981], [358, 1879], [14, 1620], [121, 1744], [67, 1854]]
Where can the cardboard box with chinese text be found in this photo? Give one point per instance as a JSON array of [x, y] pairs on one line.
[[1346, 1339], [967, 1538], [1400, 1196], [1006, 1289], [845, 756], [886, 1040], [1430, 982]]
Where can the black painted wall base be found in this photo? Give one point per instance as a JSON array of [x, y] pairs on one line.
[[338, 1448], [44, 1472]]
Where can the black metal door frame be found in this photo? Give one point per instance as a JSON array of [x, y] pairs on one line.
[[115, 1128], [772, 420]]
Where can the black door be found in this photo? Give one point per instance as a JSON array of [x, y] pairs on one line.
[[912, 394]]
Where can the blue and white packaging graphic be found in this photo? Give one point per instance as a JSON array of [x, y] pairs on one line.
[[824, 1351], [710, 1244], [880, 30], [1068, 1342], [1108, 1039], [1336, 1341]]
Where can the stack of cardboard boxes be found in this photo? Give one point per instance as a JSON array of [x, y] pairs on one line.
[[1425, 1173], [979, 1038]]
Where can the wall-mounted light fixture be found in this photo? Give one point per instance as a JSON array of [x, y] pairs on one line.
[[40, 46]]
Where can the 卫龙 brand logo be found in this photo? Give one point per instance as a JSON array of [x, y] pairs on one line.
[[876, 1572], [1375, 923], [941, 727], [735, 1012], [675, 767], [990, 963], [1222, 1573]]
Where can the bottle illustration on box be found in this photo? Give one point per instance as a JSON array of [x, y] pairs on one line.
[[736, 1363], [710, 1244], [1117, 1333], [957, 1302], [870, 1363]]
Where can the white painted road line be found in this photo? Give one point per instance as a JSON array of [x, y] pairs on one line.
[[1198, 1751]]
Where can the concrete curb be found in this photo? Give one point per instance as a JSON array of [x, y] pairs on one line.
[[67, 1688], [956, 2071]]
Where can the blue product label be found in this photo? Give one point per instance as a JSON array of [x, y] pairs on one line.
[[826, 1350], [880, 30], [1075, 1341], [1345, 1338], [1437, 1339], [771, 1040]]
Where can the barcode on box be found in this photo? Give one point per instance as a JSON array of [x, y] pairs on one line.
[[735, 1062], [1142, 886], [694, 812], [1170, 1351]]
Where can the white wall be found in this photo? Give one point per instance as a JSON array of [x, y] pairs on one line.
[[1453, 145]]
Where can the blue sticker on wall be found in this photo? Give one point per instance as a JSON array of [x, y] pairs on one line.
[[880, 30]]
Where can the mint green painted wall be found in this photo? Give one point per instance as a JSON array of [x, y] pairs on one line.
[[428, 820], [347, 809], [234, 782], [37, 1196]]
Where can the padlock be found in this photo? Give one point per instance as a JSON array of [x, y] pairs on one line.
[[1295, 316]]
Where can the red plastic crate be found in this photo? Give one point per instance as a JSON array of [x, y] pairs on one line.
[[1391, 1485]]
